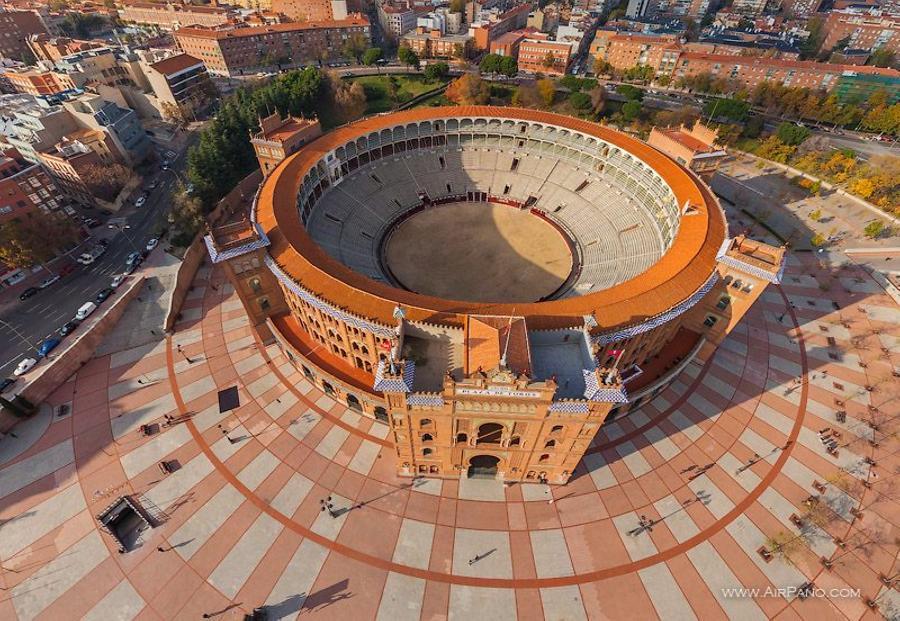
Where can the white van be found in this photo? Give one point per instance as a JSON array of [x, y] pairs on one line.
[[86, 309]]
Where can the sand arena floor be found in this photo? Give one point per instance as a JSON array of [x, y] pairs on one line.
[[479, 252]]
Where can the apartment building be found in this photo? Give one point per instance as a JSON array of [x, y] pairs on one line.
[[181, 85], [435, 44], [15, 28], [171, 16], [397, 17], [747, 72], [508, 44], [247, 50], [540, 55], [45, 47], [67, 162], [624, 50], [749, 7], [495, 23], [801, 8], [862, 30], [25, 187], [123, 137], [311, 10], [38, 81]]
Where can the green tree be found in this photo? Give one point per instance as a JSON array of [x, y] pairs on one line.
[[818, 240], [882, 57], [408, 57], [372, 56], [732, 109], [631, 110], [508, 66], [355, 46], [629, 92], [436, 72], [580, 101], [810, 47], [489, 64], [815, 215], [792, 134], [753, 127]]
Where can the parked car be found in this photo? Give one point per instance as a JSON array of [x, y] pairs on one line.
[[153, 243], [6, 382], [25, 366], [140, 201], [129, 269], [153, 185], [69, 327], [49, 281], [85, 310], [134, 257], [30, 291], [47, 346], [118, 280], [103, 294]]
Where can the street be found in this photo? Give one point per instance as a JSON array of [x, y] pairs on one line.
[[24, 324]]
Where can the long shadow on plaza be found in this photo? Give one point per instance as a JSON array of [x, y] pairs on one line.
[[830, 313]]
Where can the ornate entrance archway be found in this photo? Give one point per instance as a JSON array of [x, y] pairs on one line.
[[483, 467]]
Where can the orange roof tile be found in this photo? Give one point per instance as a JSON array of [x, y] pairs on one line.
[[684, 268], [174, 64]]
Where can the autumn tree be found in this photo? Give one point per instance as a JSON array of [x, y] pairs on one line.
[[468, 90], [547, 90], [349, 100], [35, 238], [526, 96], [549, 60], [185, 216], [106, 181]]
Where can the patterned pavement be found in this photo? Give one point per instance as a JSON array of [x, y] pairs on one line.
[[664, 518]]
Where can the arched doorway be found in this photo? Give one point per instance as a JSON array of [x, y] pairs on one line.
[[483, 467], [353, 403], [489, 433]]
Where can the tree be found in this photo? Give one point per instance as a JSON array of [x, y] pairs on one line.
[[508, 66], [172, 112], [874, 229], [105, 182], [810, 47], [785, 545], [408, 57], [468, 90], [815, 215], [35, 238], [629, 92], [631, 110], [460, 51], [546, 88], [372, 56], [792, 134], [549, 60], [818, 240], [185, 216], [349, 100], [527, 96], [457, 6], [580, 101], [436, 72], [489, 64], [882, 57], [598, 98], [355, 46], [732, 109]]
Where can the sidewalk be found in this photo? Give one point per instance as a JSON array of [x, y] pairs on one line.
[[143, 320]]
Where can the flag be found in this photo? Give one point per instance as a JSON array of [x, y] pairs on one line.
[[616, 352]]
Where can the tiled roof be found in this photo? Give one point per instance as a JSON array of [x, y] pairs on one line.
[[684, 269], [174, 64], [209, 33]]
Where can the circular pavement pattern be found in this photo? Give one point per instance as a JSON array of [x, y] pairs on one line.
[[669, 506]]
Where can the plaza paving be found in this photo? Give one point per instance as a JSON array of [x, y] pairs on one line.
[[717, 464]]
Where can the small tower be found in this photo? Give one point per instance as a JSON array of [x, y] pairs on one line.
[[240, 248], [278, 138]]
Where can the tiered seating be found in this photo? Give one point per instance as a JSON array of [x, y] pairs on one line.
[[617, 237]]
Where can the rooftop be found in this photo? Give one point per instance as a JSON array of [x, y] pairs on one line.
[[176, 64], [220, 33]]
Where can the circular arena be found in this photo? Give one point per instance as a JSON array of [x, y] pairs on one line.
[[483, 210]]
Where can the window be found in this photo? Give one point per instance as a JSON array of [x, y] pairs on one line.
[[515, 164], [544, 458], [550, 444], [255, 284], [723, 302], [710, 321], [556, 429], [462, 438], [264, 303], [426, 452], [425, 422], [427, 437], [515, 441]]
